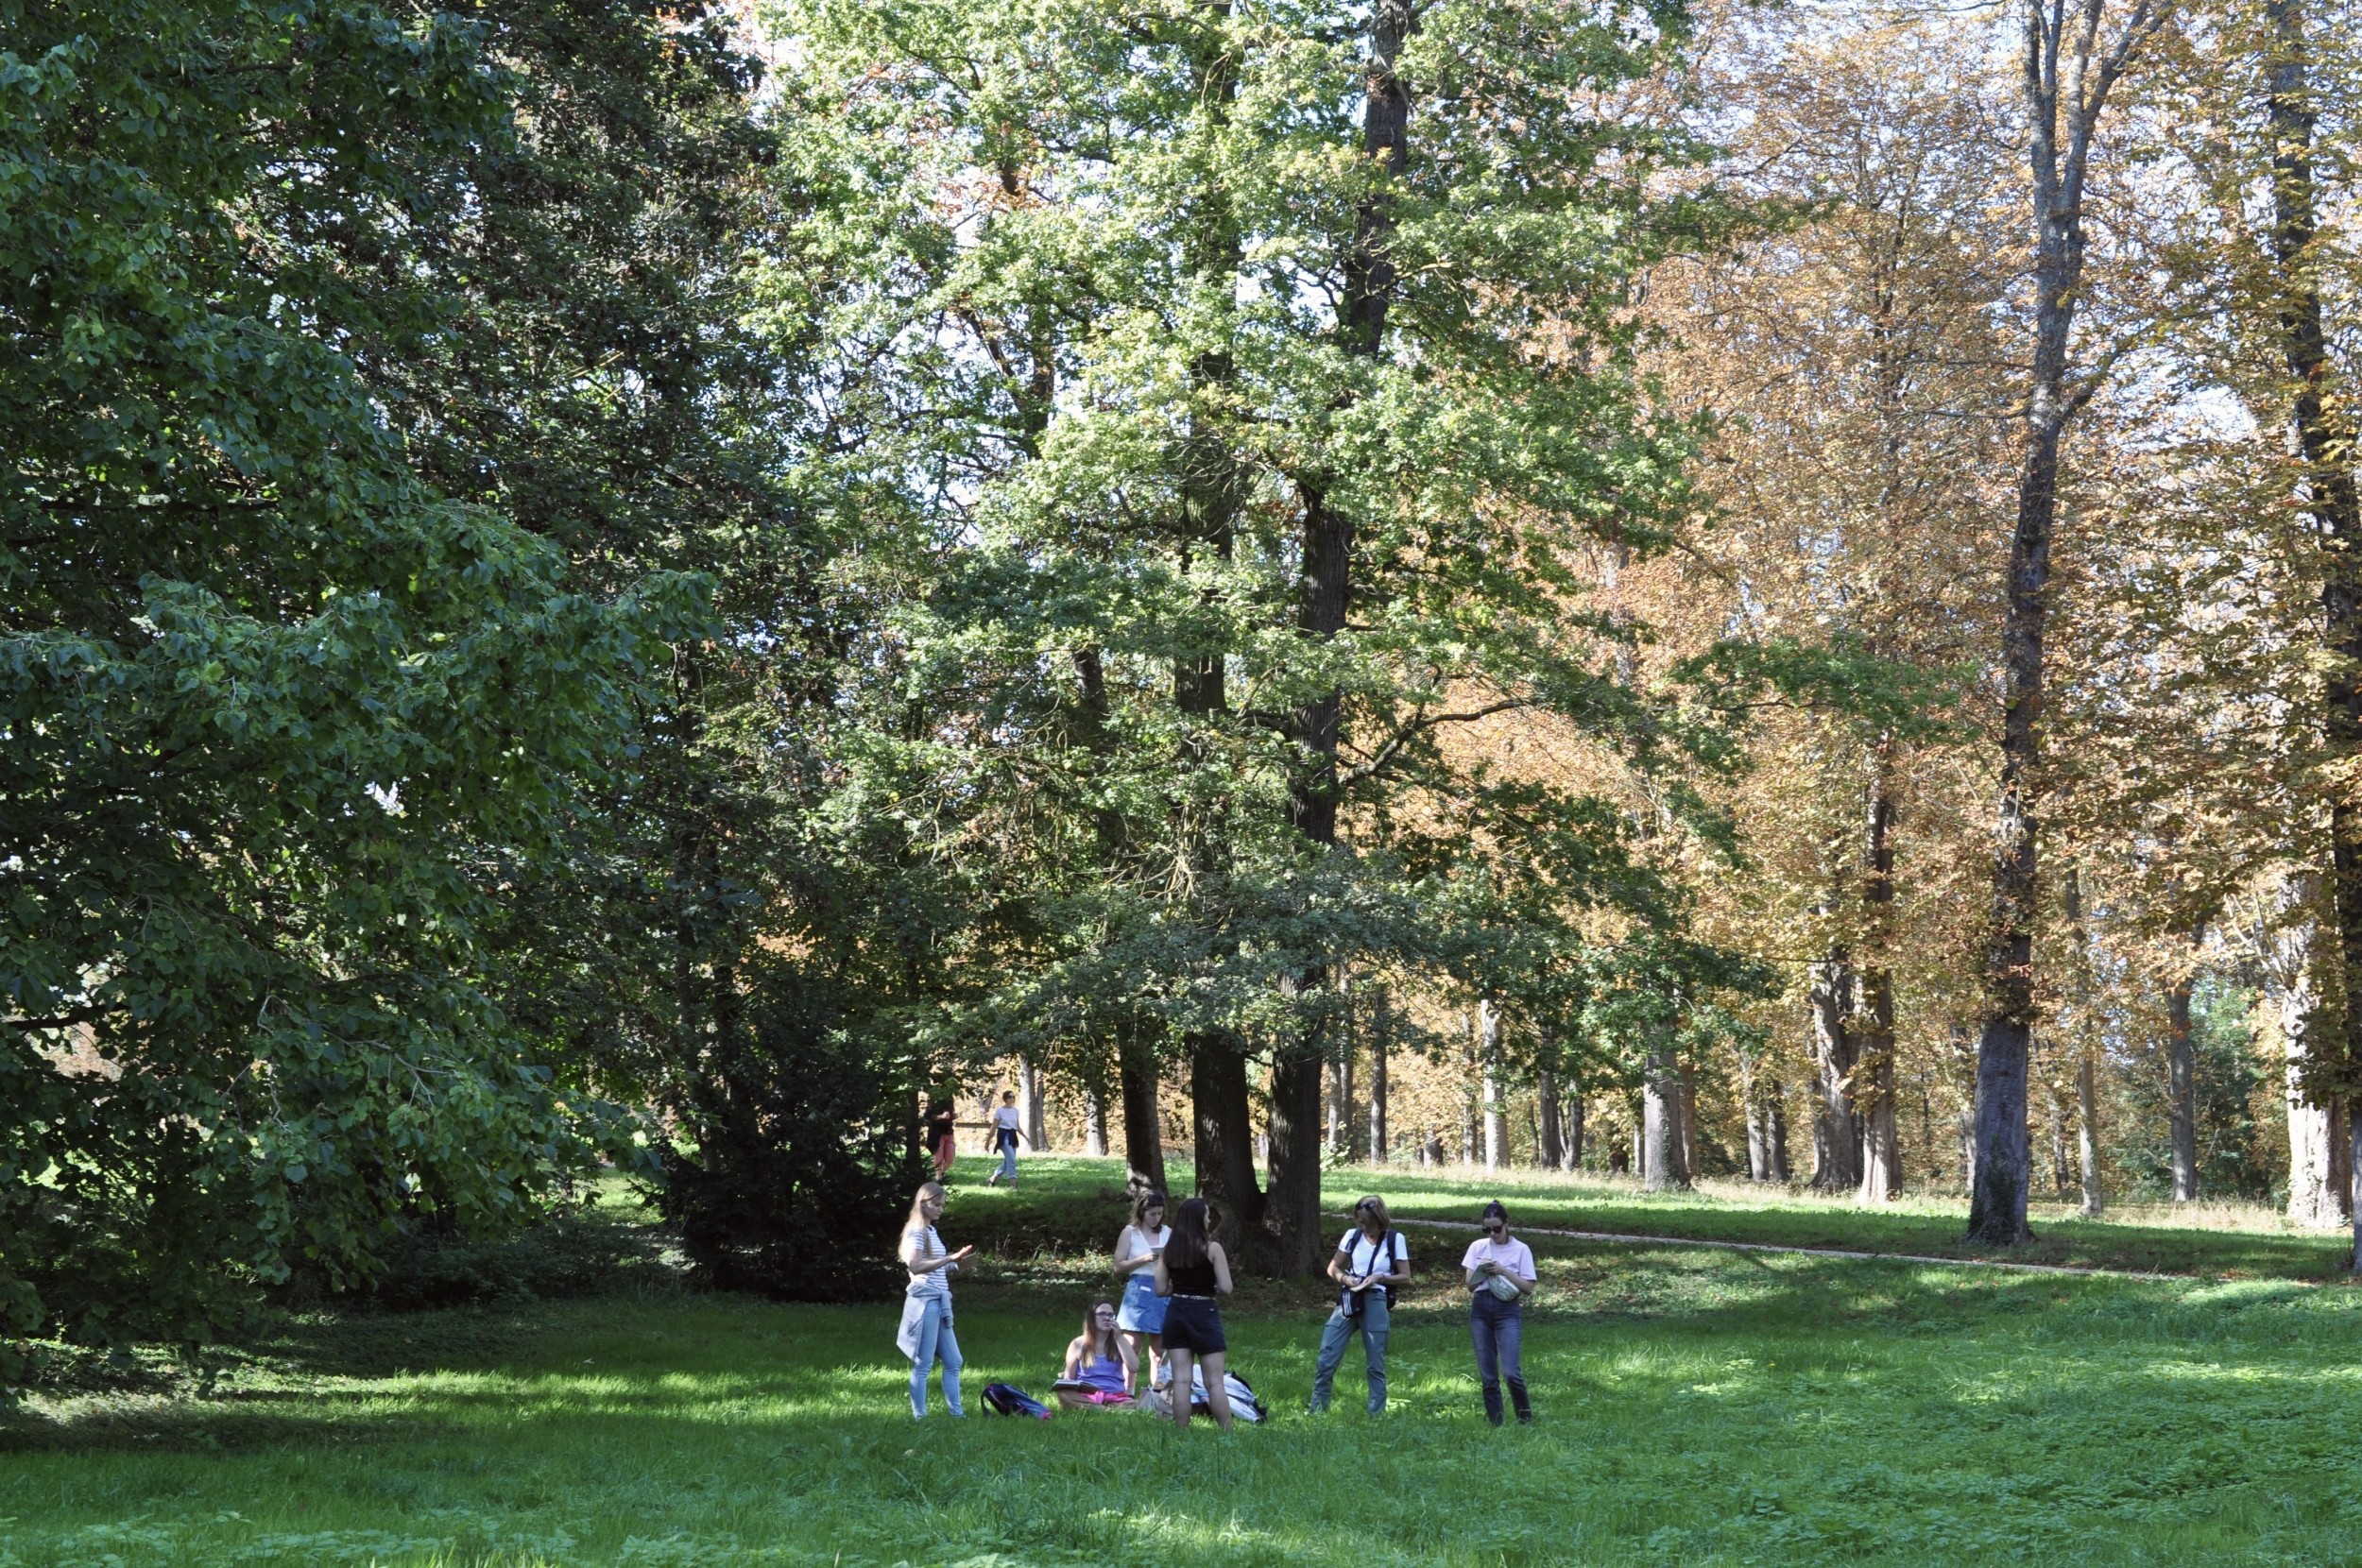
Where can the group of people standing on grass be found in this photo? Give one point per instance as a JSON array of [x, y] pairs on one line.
[[1165, 1333]]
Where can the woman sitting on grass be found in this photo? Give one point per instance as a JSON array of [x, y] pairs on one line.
[[1190, 1273], [1100, 1363]]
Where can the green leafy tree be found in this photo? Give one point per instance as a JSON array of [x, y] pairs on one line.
[[1243, 387], [283, 718]]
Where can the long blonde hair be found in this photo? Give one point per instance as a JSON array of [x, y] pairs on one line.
[[917, 1220]]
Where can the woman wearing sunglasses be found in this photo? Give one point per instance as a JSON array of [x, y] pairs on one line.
[[1372, 1262], [1500, 1272]]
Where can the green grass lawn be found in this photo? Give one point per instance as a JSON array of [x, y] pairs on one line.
[[1696, 1406]]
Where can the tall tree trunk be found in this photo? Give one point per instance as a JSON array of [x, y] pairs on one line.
[[1660, 1111], [1751, 1103], [1836, 1130], [1489, 1054], [2182, 1090], [2326, 435], [1143, 1124], [1029, 1104], [1685, 1104], [2057, 1106], [1874, 1074], [1380, 1148], [2316, 1195], [1226, 1137], [1550, 1149], [2068, 70], [1574, 1125], [1775, 1131], [1094, 1123], [2087, 1130]]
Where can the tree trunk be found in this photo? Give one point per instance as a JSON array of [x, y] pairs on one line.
[[1332, 1111], [2325, 437], [1574, 1125], [1226, 1137], [2068, 70], [1685, 1105], [2057, 1105], [1758, 1133], [1775, 1131], [2317, 1131], [1094, 1123], [1029, 1111], [1291, 1208], [1380, 1149], [1873, 1075], [1550, 1149], [2182, 1089], [1489, 1052], [1660, 1111], [1143, 1125], [2087, 1131], [1836, 1130]]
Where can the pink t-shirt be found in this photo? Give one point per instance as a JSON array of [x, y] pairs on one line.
[[1514, 1256]]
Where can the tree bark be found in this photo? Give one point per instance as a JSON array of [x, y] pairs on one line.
[[1836, 1130], [1660, 1111], [2325, 437], [2067, 72], [2087, 1131], [2182, 1089], [1775, 1131], [1226, 1137], [1550, 1146], [1379, 1145], [1758, 1133], [1489, 1053], [1873, 1075], [1143, 1126], [1574, 1125], [1094, 1123]]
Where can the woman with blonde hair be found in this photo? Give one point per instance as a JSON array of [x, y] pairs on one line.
[[1141, 1314], [926, 1335]]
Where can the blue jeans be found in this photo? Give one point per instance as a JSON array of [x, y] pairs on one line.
[[1498, 1329], [1008, 1156], [1373, 1326], [935, 1339]]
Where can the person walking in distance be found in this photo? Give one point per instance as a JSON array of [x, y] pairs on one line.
[[1141, 1316], [1372, 1262], [926, 1335], [1190, 1273], [942, 1128], [1005, 1136], [1500, 1272]]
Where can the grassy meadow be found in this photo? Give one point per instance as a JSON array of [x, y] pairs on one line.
[[1695, 1407]]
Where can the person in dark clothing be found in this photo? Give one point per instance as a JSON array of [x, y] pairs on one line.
[[1190, 1273]]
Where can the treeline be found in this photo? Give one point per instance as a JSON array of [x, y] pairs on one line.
[[574, 600]]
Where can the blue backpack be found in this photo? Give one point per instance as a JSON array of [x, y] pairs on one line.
[[1005, 1399]]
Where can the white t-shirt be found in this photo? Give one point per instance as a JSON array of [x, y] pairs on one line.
[[1006, 1116], [1514, 1256], [1134, 1241], [1362, 1255]]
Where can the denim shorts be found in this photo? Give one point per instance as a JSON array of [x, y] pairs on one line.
[[1141, 1311], [1192, 1323]]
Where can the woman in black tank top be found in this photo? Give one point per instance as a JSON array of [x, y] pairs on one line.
[[1191, 1271]]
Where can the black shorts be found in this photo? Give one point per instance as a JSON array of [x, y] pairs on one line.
[[1192, 1323]]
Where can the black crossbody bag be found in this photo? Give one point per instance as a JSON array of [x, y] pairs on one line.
[[1350, 1300]]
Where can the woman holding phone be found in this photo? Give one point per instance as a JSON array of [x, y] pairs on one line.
[[1190, 1273], [1141, 1316], [926, 1335], [1500, 1272]]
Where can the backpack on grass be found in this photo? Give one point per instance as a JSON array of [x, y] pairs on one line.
[[1005, 1399]]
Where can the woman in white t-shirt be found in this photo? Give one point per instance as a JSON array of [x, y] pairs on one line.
[[1004, 1137], [1141, 1316], [1500, 1272], [926, 1335], [1372, 1262]]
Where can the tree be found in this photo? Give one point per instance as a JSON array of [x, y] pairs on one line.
[[283, 718], [1259, 439], [2068, 71]]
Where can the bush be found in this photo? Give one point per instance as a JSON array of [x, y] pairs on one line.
[[798, 1157]]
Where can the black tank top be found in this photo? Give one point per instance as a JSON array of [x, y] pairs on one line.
[[1191, 1279]]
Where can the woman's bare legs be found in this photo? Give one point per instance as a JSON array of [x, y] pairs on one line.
[[1178, 1362], [1215, 1395]]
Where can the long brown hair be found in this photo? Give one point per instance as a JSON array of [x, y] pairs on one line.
[[1102, 1342], [1150, 1198], [1187, 1248]]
